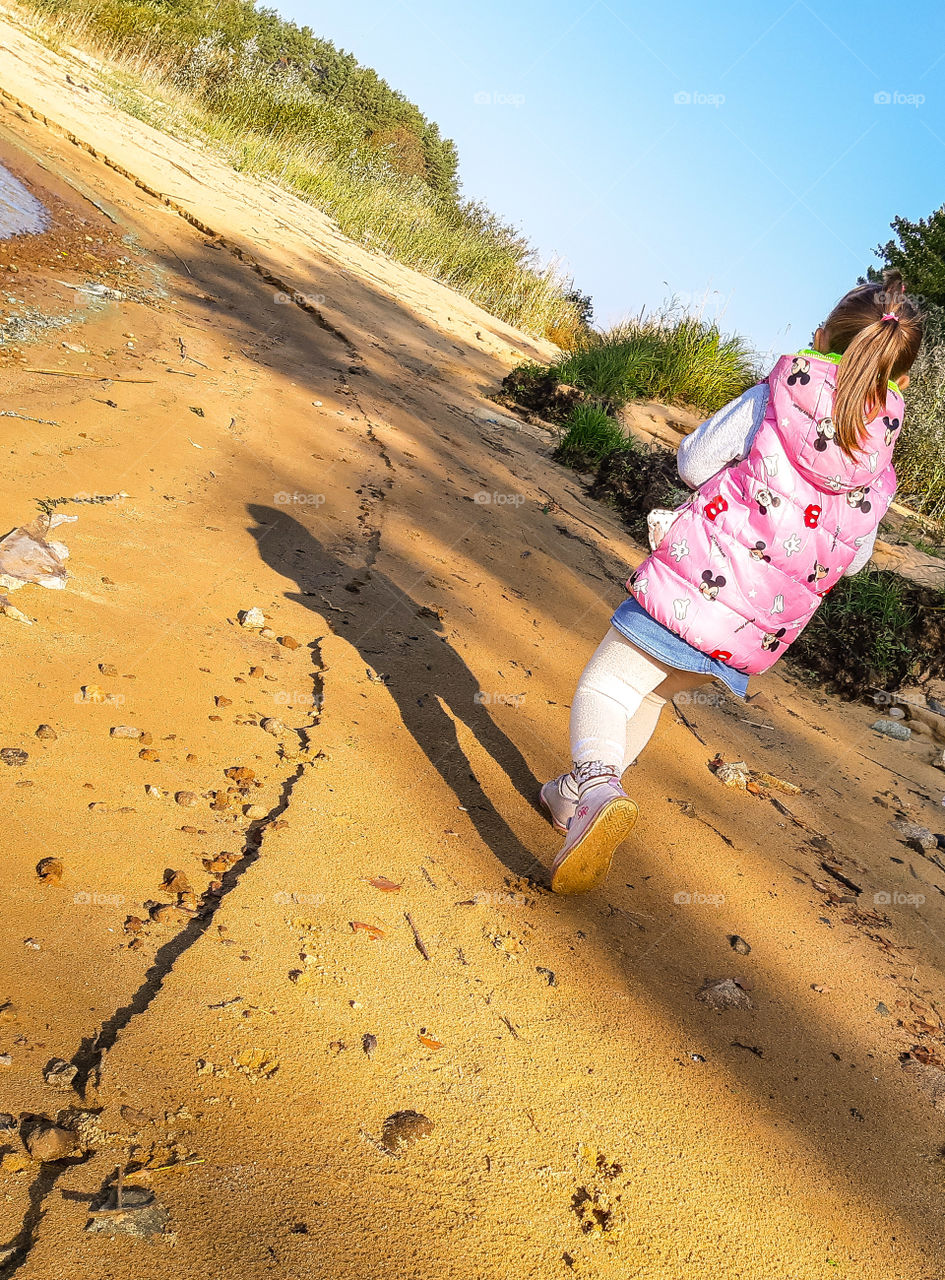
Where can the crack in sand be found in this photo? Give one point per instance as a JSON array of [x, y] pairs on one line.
[[91, 1054]]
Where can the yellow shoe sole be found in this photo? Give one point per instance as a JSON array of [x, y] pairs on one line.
[[587, 864]]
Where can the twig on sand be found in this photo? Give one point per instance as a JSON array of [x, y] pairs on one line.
[[503, 1018], [580, 519], [416, 937], [327, 603], [95, 377], [798, 822], [12, 413], [177, 1164], [690, 726], [185, 355], [101, 208], [879, 764]]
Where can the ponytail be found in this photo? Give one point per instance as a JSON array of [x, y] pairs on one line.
[[878, 331]]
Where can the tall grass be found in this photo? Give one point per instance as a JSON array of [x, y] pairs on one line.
[[920, 452], [671, 356], [271, 125]]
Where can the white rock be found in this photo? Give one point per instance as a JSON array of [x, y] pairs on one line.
[[252, 619]]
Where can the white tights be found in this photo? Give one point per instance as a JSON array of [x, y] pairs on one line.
[[615, 709]]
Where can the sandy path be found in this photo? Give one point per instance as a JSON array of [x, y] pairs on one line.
[[606, 1125]]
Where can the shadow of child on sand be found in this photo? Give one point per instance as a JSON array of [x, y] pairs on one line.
[[405, 641]]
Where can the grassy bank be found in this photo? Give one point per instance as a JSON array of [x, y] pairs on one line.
[[669, 356], [873, 631], [278, 102]]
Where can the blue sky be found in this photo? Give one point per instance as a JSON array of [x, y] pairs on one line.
[[758, 200]]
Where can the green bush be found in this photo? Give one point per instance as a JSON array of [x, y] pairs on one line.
[[874, 630], [920, 451], [591, 434]]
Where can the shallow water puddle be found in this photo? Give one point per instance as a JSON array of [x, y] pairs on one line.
[[21, 214]]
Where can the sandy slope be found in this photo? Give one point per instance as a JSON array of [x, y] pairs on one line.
[[603, 1124]]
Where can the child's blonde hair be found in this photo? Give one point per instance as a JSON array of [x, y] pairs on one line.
[[878, 331]]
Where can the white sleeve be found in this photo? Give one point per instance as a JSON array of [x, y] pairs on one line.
[[862, 557], [727, 435]]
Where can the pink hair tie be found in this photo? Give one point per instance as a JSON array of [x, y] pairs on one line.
[[889, 316]]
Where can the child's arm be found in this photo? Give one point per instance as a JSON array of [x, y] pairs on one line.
[[727, 435]]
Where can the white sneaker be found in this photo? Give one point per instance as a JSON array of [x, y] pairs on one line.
[[560, 807], [603, 817]]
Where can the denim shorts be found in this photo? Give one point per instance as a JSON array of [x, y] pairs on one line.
[[633, 621]]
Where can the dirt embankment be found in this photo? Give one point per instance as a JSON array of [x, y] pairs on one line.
[[262, 945]]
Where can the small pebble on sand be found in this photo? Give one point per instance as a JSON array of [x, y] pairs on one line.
[[168, 915], [46, 733], [49, 870], [892, 729], [722, 994], [49, 1142], [403, 1129], [60, 1074]]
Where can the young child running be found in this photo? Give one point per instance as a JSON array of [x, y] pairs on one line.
[[791, 481]]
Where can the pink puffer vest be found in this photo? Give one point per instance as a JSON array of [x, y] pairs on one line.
[[747, 560]]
